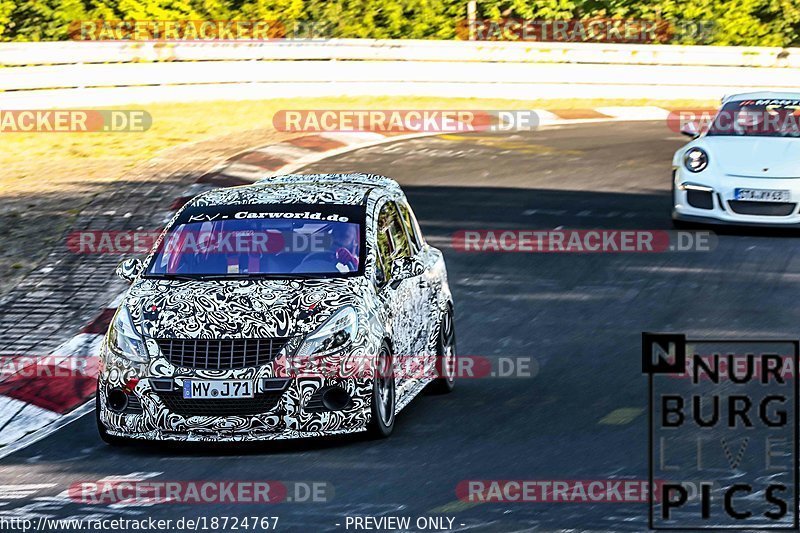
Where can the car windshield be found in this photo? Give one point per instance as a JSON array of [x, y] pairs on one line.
[[758, 118], [278, 240]]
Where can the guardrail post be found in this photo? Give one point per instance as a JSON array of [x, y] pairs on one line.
[[471, 17]]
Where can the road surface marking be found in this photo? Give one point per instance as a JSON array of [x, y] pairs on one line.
[[622, 416]]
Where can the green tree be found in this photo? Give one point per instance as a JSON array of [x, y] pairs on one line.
[[40, 20], [725, 22]]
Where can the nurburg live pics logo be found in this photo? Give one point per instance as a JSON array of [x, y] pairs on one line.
[[723, 433]]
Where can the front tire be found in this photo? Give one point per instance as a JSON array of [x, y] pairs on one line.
[[382, 419], [445, 356], [676, 222], [679, 224]]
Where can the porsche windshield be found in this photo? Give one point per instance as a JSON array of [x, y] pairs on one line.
[[280, 241], [762, 118]]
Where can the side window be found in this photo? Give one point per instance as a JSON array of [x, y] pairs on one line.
[[412, 227], [392, 241]]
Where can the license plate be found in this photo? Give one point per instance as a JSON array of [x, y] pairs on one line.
[[207, 389], [763, 195]]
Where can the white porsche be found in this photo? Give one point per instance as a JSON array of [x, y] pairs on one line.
[[743, 168]]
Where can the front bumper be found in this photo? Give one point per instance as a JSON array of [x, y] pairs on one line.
[[695, 219], [293, 412], [236, 436], [720, 206]]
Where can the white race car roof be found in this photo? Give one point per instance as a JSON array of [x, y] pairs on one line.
[[761, 95]]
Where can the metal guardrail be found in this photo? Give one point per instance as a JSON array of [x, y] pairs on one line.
[[76, 52], [70, 74], [374, 72]]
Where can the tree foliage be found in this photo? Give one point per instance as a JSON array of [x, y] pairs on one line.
[[732, 22]]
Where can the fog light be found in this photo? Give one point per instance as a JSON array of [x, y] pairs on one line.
[[335, 399], [117, 400]]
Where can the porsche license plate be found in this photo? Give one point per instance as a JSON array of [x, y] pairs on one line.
[[763, 195], [208, 389]]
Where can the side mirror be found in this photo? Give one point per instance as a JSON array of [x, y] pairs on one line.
[[129, 269], [691, 129], [404, 268]]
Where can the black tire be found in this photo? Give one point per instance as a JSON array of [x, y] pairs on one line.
[[383, 402], [445, 360], [677, 223], [683, 225], [111, 440]]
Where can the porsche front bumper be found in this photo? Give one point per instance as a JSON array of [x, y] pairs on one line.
[[710, 199]]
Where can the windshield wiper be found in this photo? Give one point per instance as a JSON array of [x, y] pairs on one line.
[[206, 277], [180, 277], [264, 275]]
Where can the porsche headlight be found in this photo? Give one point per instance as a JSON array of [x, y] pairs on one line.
[[332, 336], [695, 159], [123, 339]]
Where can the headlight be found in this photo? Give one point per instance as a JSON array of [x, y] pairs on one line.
[[123, 339], [334, 335], [695, 159]]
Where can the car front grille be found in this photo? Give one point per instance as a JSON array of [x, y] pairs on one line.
[[261, 403], [134, 406], [221, 354], [770, 209]]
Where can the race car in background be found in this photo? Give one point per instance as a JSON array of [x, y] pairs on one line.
[[744, 168], [278, 310]]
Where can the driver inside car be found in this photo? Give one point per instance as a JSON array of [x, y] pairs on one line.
[[345, 245]]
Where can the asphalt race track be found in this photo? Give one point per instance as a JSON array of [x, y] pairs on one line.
[[578, 316]]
